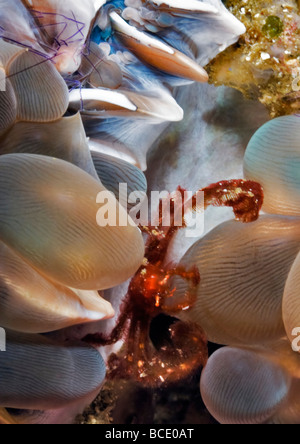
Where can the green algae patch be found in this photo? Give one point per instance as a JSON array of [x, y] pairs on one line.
[[274, 27]]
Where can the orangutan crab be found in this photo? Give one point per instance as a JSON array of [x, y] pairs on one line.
[[150, 289]]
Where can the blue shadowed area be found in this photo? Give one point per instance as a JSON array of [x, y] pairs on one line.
[[292, 171], [99, 36], [117, 4]]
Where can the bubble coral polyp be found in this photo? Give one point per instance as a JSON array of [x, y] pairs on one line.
[[150, 291]]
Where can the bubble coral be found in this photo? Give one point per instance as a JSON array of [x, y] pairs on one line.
[[112, 71], [241, 304], [68, 70]]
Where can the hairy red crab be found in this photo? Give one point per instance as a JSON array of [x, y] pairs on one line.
[[185, 349]]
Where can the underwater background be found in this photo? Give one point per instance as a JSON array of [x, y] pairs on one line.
[[117, 324]]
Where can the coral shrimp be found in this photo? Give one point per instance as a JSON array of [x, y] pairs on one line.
[[150, 292]]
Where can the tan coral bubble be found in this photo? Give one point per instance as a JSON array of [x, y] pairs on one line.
[[243, 270], [272, 158], [38, 373], [30, 303], [49, 216], [242, 387], [42, 94], [282, 353], [64, 139], [6, 418], [8, 52], [289, 413], [114, 149], [8, 103], [114, 172]]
